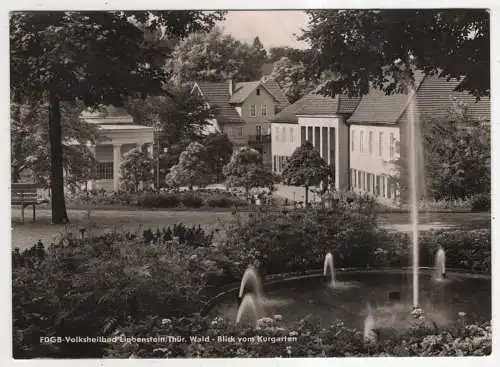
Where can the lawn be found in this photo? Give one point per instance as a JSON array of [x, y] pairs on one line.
[[25, 235], [123, 220]]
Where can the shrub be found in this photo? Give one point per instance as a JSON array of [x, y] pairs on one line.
[[191, 200], [465, 249], [193, 236], [88, 287], [163, 200], [311, 340], [481, 202], [223, 201], [295, 241]]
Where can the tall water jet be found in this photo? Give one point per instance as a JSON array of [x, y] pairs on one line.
[[414, 149], [251, 277], [440, 264], [369, 334], [248, 304], [329, 265]]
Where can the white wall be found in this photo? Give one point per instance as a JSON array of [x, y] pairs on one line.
[[284, 144], [379, 160]]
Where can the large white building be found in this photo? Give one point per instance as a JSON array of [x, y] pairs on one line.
[[361, 136], [119, 135]]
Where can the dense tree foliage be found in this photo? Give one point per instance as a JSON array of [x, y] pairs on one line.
[[192, 168], [219, 150], [93, 57], [456, 158], [245, 169], [30, 154], [136, 170], [293, 79], [366, 47], [215, 56], [305, 168]]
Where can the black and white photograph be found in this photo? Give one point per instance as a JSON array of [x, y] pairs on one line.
[[259, 183]]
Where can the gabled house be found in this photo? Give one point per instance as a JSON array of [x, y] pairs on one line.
[[243, 111], [380, 121]]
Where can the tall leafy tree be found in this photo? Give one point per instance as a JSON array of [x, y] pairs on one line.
[[192, 169], [245, 169], [136, 168], [93, 57], [293, 78], [219, 150], [305, 168], [30, 154], [377, 47], [456, 158], [213, 57]]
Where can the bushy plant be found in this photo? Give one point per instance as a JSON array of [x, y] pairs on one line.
[[191, 200], [481, 202], [162, 200], [465, 249], [282, 242], [271, 339], [88, 287]]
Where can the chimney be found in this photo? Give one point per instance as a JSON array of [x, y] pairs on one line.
[[231, 88]]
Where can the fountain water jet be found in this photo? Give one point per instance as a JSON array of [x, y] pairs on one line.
[[248, 303], [329, 265], [250, 276], [369, 334], [415, 167], [440, 264]]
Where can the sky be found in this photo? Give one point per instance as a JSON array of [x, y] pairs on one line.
[[274, 28]]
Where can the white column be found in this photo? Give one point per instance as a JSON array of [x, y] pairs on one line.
[[116, 166], [138, 147], [329, 143], [91, 183], [337, 158], [321, 142], [307, 133], [314, 136]]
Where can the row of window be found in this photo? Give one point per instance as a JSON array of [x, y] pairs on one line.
[[280, 134], [361, 144], [279, 163], [378, 185], [253, 110]]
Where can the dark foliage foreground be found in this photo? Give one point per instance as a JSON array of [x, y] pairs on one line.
[[125, 284]]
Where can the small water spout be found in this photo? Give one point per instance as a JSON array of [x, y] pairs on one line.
[[440, 264], [369, 334], [329, 265], [248, 304], [251, 277]]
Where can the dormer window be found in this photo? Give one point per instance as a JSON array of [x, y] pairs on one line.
[[258, 91]]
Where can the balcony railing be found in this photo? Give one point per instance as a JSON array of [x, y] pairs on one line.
[[259, 139]]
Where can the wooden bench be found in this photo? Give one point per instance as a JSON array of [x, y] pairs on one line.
[[25, 194]]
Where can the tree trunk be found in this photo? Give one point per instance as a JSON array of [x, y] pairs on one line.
[[307, 196], [59, 215]]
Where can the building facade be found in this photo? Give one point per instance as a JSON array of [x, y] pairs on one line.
[[119, 135], [362, 137], [321, 121], [244, 111]]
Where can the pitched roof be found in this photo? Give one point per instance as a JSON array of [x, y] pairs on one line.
[[377, 107], [434, 96], [244, 89], [316, 104], [273, 87], [217, 96]]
